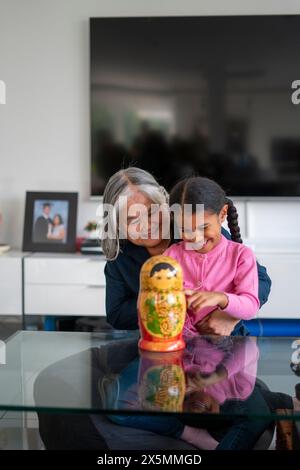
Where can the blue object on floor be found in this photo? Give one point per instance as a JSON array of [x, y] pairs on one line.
[[273, 327], [50, 324]]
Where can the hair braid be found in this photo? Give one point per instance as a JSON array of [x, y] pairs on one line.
[[232, 220]]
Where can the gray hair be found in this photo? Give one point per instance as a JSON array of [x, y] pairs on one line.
[[120, 184]]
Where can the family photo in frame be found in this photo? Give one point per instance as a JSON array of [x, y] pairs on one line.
[[50, 222]]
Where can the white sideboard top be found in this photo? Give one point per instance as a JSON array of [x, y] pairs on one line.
[[261, 245], [66, 256], [14, 254], [275, 246]]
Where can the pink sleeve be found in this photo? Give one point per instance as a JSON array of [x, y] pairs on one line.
[[244, 357], [243, 303]]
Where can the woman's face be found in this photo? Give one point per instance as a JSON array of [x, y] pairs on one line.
[[56, 220], [144, 227]]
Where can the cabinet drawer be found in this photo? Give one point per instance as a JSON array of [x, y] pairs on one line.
[[64, 300], [64, 271], [10, 286]]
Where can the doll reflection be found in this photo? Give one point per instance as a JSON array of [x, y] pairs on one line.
[[161, 382], [199, 379]]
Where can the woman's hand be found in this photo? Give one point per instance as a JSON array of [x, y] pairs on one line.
[[197, 300], [217, 323]]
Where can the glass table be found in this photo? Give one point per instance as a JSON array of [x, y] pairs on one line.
[[101, 370], [106, 374]]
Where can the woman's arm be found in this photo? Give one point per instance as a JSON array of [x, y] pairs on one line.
[[264, 284], [264, 281], [121, 305]]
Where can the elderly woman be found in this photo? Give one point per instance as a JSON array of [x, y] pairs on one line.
[[126, 256]]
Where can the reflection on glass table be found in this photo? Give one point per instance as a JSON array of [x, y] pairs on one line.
[[82, 382], [107, 373]]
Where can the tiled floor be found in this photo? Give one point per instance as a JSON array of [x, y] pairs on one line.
[[8, 326], [19, 431]]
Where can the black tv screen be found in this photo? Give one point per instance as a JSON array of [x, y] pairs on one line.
[[212, 96]]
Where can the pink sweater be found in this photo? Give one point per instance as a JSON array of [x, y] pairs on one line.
[[229, 267], [240, 362]]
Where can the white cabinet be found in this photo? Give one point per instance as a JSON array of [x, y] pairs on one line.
[[43, 299], [11, 284], [74, 284], [64, 284], [284, 270], [65, 269]]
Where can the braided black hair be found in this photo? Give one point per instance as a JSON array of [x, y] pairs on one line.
[[232, 220], [199, 190]]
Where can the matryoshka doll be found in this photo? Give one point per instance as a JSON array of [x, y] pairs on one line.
[[161, 305], [161, 383]]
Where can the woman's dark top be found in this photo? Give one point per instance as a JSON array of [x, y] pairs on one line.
[[123, 282]]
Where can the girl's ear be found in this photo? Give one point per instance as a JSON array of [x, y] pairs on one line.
[[223, 213]]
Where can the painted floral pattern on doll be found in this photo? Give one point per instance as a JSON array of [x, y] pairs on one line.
[[161, 304]]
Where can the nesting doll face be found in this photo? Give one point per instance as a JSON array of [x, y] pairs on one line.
[[163, 276], [161, 273]]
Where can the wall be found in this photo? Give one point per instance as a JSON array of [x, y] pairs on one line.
[[44, 127]]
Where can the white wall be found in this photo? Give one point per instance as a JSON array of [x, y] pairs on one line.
[[44, 127]]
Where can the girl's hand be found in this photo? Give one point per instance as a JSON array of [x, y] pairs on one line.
[[200, 299], [217, 323], [201, 402], [199, 381]]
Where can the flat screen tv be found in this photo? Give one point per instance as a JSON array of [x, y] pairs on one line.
[[213, 96]]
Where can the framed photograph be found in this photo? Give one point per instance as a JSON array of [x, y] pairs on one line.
[[50, 222]]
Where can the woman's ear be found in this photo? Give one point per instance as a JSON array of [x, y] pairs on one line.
[[223, 213]]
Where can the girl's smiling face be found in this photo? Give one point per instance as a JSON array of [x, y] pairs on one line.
[[204, 237]]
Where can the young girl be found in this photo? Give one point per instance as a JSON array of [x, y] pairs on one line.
[[219, 274]]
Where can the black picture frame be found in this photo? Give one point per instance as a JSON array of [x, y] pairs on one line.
[[50, 198]]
